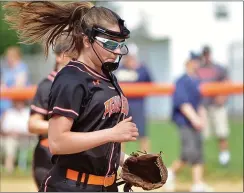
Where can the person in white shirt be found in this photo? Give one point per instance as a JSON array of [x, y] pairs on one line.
[[13, 126]]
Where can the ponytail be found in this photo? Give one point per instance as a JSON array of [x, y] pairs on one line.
[[43, 21]]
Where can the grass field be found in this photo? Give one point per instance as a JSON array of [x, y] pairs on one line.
[[164, 137]]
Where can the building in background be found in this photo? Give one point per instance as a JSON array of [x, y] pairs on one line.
[[166, 32], [175, 28]]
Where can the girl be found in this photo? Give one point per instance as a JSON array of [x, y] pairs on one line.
[[38, 121], [87, 109]]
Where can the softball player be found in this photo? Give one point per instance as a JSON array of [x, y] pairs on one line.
[[38, 122], [87, 108]]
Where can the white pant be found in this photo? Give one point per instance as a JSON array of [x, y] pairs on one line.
[[217, 121], [9, 145]]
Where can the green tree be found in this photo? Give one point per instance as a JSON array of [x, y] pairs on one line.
[[9, 37]]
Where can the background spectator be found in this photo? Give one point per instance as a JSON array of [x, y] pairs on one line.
[[14, 72], [133, 71], [189, 116], [15, 135], [217, 117]]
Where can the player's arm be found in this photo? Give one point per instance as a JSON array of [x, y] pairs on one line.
[[37, 124], [65, 106], [65, 103], [63, 141]]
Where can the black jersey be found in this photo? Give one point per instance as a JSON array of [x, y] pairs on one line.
[[95, 103], [42, 155], [40, 101]]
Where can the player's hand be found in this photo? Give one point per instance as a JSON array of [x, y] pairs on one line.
[[124, 131]]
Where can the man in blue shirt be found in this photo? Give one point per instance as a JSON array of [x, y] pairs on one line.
[[132, 71], [189, 116]]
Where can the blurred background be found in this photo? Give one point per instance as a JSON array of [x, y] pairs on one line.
[[163, 37]]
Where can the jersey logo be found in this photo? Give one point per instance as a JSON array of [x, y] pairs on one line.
[[96, 82], [115, 105]]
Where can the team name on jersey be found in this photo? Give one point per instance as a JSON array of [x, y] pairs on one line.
[[115, 105]]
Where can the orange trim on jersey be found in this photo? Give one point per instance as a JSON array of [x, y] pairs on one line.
[[54, 73], [45, 189], [39, 110], [76, 67], [65, 110], [92, 71], [92, 179], [49, 77], [79, 69]]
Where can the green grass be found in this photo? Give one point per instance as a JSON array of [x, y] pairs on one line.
[[164, 137]]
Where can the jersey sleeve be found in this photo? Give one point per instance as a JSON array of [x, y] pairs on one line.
[[40, 101], [66, 97]]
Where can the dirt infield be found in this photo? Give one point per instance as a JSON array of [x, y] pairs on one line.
[[27, 185], [17, 185], [218, 187]]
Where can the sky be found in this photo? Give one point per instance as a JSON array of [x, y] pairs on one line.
[[167, 17], [192, 20]]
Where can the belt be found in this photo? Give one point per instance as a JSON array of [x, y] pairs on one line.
[[92, 179], [44, 142]]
